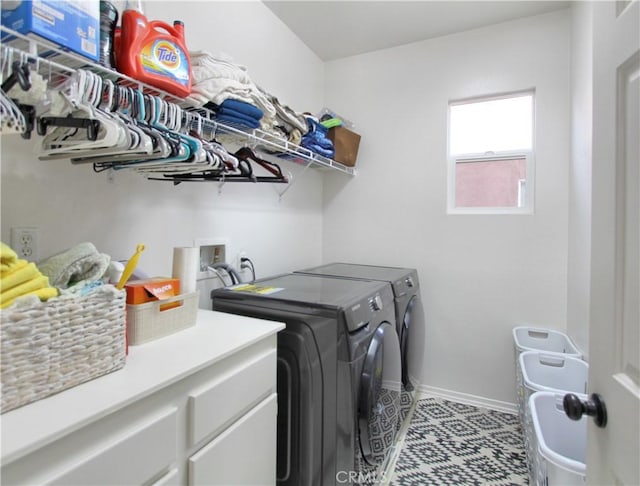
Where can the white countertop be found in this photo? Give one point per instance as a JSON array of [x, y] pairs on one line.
[[149, 367]]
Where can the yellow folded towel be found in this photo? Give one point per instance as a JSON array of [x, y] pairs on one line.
[[36, 283], [19, 278], [23, 272], [8, 257], [43, 294], [16, 265]]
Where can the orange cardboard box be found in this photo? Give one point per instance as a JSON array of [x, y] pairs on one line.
[[150, 289]]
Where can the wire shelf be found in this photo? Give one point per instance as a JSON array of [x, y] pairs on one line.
[[57, 65]]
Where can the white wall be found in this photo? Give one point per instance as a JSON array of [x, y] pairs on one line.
[[579, 269], [71, 204], [480, 275]]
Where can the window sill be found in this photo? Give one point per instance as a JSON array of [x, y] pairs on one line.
[[490, 211]]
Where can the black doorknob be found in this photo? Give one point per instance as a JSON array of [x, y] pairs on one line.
[[594, 407]]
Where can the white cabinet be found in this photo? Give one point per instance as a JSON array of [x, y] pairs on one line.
[[237, 456], [186, 409]]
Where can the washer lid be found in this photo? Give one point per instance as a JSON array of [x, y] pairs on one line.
[[310, 289], [399, 277]]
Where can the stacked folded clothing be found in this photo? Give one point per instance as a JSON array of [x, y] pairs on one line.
[[316, 138], [19, 278], [288, 124], [216, 79], [238, 113]]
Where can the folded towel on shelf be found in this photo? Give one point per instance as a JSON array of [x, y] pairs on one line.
[[295, 136], [236, 120], [237, 114], [218, 78], [325, 152], [75, 265], [285, 116], [316, 139], [238, 106]]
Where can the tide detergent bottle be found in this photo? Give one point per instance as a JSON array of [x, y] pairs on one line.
[[154, 52]]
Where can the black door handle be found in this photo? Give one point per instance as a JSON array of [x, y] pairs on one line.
[[594, 407]]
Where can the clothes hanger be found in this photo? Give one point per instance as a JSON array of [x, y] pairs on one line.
[[139, 144], [19, 74], [66, 140], [245, 153], [15, 116], [146, 141], [11, 116]]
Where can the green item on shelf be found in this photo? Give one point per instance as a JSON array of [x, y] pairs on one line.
[[332, 122]]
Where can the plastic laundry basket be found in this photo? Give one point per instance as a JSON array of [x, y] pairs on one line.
[[538, 339], [561, 442], [552, 373]]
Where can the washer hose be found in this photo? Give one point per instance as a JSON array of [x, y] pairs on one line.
[[233, 273]]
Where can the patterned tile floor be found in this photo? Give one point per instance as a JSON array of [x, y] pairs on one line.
[[449, 443]]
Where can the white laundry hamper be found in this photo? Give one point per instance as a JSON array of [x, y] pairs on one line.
[[548, 340], [554, 373], [561, 442], [538, 339]]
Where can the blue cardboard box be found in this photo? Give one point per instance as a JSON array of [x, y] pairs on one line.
[[72, 25]]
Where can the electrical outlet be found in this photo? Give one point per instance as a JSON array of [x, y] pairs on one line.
[[24, 242], [238, 263]]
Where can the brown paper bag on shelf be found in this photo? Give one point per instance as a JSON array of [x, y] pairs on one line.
[[346, 145]]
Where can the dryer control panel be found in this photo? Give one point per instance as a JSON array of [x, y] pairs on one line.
[[376, 303], [377, 307], [408, 283]]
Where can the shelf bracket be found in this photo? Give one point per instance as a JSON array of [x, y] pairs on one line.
[[291, 181], [287, 186]]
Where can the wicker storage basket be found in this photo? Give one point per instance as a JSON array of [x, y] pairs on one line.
[[50, 346]]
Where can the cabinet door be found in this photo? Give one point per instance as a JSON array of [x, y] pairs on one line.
[[244, 454]]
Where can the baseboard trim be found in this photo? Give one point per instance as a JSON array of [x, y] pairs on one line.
[[432, 391]]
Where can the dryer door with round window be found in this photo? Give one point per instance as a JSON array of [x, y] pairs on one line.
[[379, 399], [403, 332]]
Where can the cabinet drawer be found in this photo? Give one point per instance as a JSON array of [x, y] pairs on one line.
[[217, 404], [170, 478], [130, 458], [243, 454]]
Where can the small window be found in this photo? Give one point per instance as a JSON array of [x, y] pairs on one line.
[[490, 155]]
